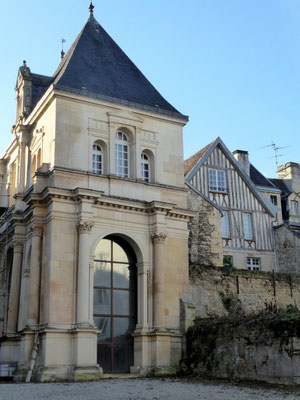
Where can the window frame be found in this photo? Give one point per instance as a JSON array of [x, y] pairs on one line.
[[97, 153], [294, 211], [220, 184], [246, 225], [274, 200], [225, 225], [120, 162], [145, 162], [253, 266]]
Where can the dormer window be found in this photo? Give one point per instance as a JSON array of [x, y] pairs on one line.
[[217, 180]]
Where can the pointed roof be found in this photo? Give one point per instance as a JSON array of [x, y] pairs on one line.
[[95, 66], [192, 164]]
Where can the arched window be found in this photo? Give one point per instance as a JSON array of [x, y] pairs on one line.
[[115, 303], [97, 159], [145, 167], [121, 155]]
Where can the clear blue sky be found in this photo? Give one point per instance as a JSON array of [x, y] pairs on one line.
[[233, 66]]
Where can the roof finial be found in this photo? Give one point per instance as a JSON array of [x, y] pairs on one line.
[[62, 53], [91, 8]]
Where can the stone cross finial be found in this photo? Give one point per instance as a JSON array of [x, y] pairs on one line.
[[91, 8]]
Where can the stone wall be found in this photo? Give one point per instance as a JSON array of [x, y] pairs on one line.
[[218, 291], [288, 249], [205, 240], [261, 348]]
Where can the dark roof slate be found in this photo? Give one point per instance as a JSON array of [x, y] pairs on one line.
[[280, 184], [40, 84], [259, 179], [97, 65]]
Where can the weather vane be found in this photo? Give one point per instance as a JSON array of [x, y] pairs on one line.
[[62, 53], [91, 8]]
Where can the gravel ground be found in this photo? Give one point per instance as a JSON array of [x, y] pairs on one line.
[[144, 389]]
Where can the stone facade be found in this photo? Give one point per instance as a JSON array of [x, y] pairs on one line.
[[205, 239], [288, 249], [72, 189]]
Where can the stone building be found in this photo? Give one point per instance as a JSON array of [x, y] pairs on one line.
[[288, 232], [242, 217], [94, 237]]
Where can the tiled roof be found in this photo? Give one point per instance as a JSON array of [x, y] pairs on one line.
[[192, 161]]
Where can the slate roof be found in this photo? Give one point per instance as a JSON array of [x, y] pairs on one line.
[[40, 84], [280, 184], [259, 179], [96, 65]]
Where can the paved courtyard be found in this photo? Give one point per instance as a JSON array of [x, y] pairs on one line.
[[144, 389]]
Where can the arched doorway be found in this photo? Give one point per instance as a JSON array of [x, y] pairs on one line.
[[115, 303]]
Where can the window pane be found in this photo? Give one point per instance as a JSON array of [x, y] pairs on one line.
[[102, 301], [225, 225], [123, 358], [103, 323], [123, 328], [121, 302], [103, 356], [119, 253], [121, 276], [103, 250], [102, 274], [247, 226]]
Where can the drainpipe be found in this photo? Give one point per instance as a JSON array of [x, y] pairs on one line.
[[274, 240]]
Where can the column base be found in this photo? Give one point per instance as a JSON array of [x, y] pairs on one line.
[[93, 373], [157, 353]]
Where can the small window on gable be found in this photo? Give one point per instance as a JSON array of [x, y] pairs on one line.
[[217, 180], [145, 167], [247, 222], [253, 264], [273, 200], [97, 159], [121, 155]]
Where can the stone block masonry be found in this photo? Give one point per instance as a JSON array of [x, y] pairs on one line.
[[219, 291]]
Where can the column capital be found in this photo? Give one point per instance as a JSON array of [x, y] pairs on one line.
[[17, 245], [85, 226], [159, 237]]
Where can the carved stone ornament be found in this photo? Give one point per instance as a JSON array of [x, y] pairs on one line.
[[159, 237], [85, 226]]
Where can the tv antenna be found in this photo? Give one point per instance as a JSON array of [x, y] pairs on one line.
[[275, 148]]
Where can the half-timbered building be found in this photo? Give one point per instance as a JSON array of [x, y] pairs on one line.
[[246, 218]]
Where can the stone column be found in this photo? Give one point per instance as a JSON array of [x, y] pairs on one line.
[[83, 273], [14, 295], [142, 286], [35, 273], [159, 280]]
